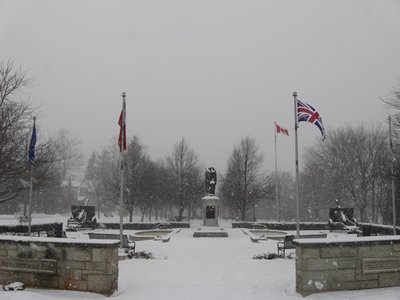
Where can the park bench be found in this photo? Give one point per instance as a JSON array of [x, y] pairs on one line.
[[126, 244], [51, 233], [287, 243]]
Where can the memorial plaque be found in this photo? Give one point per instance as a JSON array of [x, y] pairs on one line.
[[32, 265], [380, 265]]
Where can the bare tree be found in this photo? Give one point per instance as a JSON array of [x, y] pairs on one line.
[[16, 122], [146, 183], [146, 190], [11, 82], [98, 174], [352, 161], [314, 189], [15, 126], [286, 192], [134, 159], [184, 166], [67, 150], [106, 179], [163, 188], [244, 185], [393, 104]]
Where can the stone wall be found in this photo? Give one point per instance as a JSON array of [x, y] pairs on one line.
[[59, 263], [359, 263]]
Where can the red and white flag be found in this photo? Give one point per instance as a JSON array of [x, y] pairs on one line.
[[122, 129], [282, 130]]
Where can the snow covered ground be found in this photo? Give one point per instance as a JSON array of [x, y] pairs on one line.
[[204, 268]]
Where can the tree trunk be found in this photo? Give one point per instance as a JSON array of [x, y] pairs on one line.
[[189, 212], [373, 207], [363, 213], [181, 210], [316, 213], [130, 216], [243, 215]]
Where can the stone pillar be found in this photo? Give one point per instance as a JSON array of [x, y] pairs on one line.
[[210, 210], [60, 263]]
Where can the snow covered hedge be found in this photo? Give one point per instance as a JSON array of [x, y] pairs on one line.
[[145, 226], [281, 225], [51, 229]]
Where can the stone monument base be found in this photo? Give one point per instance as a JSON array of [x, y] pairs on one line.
[[210, 232], [210, 222], [210, 210]]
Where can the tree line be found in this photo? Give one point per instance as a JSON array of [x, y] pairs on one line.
[[163, 188], [177, 183], [352, 165], [154, 188]]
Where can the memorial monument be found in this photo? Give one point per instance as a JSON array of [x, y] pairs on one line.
[[210, 201]]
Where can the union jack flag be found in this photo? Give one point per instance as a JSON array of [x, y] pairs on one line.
[[307, 113]]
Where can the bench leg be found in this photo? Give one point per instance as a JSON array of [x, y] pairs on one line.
[[281, 252]]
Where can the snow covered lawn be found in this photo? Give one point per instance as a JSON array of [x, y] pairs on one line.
[[205, 268]]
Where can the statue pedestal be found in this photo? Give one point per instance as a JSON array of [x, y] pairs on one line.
[[210, 210]]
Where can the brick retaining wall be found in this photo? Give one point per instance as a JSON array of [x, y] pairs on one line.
[[59, 263], [360, 263]]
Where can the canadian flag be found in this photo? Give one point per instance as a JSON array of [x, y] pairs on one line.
[[282, 130]]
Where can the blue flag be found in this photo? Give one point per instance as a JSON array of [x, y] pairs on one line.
[[32, 145]]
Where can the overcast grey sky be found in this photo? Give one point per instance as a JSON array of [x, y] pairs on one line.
[[212, 71]]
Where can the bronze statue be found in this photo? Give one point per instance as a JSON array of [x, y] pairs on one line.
[[211, 180]]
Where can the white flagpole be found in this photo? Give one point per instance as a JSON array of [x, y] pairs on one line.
[[276, 179], [121, 202], [296, 125], [30, 190], [393, 179]]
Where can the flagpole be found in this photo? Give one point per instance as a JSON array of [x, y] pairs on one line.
[[121, 202], [276, 179], [296, 125], [393, 179], [24, 219], [31, 188], [30, 200]]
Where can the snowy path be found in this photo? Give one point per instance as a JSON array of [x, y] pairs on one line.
[[207, 268]]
